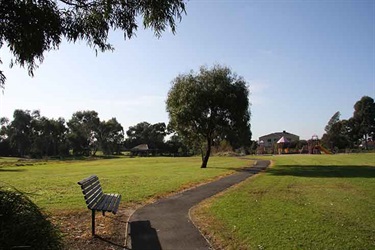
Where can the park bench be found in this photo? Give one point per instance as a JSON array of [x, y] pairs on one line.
[[96, 200]]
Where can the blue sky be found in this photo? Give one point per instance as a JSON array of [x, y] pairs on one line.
[[303, 60]]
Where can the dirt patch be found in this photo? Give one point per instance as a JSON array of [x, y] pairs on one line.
[[110, 229]]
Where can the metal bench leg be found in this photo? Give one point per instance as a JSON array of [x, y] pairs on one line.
[[93, 222]]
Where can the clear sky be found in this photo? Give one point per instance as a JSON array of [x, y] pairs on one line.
[[303, 60]]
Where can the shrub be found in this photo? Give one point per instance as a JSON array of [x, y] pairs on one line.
[[23, 225]]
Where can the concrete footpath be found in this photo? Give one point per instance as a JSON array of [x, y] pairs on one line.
[[165, 224]]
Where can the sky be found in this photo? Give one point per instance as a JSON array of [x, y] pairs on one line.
[[303, 61]]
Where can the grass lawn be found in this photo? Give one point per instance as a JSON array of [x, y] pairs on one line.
[[53, 185], [301, 202]]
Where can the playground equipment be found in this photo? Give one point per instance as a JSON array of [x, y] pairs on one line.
[[325, 150], [314, 146]]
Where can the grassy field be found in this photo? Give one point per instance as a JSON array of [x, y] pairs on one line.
[[53, 184], [301, 202]]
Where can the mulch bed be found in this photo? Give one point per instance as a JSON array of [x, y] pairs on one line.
[[110, 229]]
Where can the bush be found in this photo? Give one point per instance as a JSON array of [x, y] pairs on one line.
[[23, 225]]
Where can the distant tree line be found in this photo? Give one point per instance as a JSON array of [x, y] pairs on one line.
[[357, 131], [32, 135]]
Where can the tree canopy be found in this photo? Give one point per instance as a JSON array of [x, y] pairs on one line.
[[210, 106], [29, 134], [364, 116], [29, 28], [146, 133], [358, 129]]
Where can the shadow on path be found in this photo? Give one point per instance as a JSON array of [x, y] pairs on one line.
[[143, 236]]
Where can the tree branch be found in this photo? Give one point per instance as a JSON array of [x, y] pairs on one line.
[[78, 4]]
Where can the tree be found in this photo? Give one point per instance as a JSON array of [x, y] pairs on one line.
[[49, 137], [336, 133], [5, 148], [364, 117], [19, 131], [146, 133], [334, 119], [29, 28], [209, 106], [175, 145], [83, 127], [110, 135]]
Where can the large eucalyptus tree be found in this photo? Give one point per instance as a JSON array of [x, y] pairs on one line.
[[209, 106]]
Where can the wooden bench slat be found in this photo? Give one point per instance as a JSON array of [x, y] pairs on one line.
[[95, 198], [107, 202], [101, 204], [114, 204], [94, 188], [88, 187], [114, 210], [87, 181]]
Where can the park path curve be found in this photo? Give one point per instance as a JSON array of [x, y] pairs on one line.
[[166, 225]]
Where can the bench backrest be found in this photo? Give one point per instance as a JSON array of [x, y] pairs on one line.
[[91, 189]]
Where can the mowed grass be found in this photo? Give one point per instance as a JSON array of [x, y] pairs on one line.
[[53, 185], [301, 202]]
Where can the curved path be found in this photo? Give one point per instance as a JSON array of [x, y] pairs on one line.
[[165, 224]]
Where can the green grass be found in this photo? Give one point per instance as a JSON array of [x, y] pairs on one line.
[[302, 202], [4, 160], [53, 184]]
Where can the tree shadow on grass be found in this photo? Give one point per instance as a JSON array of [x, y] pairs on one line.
[[324, 171], [12, 170]]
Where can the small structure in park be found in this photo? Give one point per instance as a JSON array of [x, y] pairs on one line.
[[140, 150], [282, 145], [271, 143], [315, 147]]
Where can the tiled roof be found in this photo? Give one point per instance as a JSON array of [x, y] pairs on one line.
[[277, 134], [140, 147]]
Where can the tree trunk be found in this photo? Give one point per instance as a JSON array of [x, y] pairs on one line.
[[207, 156]]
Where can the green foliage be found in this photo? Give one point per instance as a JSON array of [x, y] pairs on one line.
[[364, 117], [334, 119], [356, 130], [24, 225], [146, 133], [110, 135], [302, 202], [30, 134], [29, 28], [177, 147], [82, 127], [210, 106], [19, 131]]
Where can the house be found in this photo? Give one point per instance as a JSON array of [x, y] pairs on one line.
[[269, 140], [140, 150]]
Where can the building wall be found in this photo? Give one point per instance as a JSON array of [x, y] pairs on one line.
[[271, 139]]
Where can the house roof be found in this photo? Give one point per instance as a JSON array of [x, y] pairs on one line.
[[282, 140], [278, 134], [140, 147]]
